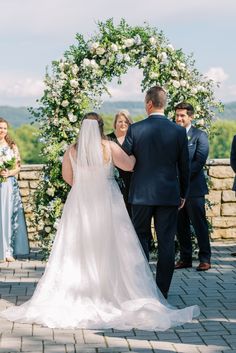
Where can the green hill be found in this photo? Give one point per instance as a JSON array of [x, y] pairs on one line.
[[18, 116]]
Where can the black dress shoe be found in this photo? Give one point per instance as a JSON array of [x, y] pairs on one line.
[[182, 264], [233, 254]]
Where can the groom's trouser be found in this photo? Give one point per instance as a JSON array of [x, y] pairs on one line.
[[165, 223]]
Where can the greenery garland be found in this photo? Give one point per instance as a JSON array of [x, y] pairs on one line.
[[78, 81]]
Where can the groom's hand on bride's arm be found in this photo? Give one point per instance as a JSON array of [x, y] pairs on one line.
[[182, 203]]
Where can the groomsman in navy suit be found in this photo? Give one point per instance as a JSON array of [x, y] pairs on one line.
[[193, 211]]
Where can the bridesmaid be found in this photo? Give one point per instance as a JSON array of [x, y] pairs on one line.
[[121, 123], [13, 232]]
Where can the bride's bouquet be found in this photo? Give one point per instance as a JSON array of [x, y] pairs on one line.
[[6, 162]]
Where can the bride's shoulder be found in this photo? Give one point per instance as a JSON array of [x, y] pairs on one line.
[[71, 150]]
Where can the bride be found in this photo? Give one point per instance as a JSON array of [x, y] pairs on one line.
[[97, 276]]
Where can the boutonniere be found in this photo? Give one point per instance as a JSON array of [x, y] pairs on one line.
[[189, 138]]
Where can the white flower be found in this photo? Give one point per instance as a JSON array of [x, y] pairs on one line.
[[181, 66], [153, 75], [137, 39], [174, 73], [73, 118], [201, 122], [85, 84], [163, 56], [93, 46], [93, 64], [63, 76], [50, 191], [60, 159], [114, 47], [119, 57], [74, 83], [183, 82], [100, 51], [144, 60], [129, 42], [61, 66], [176, 84], [56, 223], [75, 69], [152, 40], [126, 57], [48, 229], [65, 103], [194, 90], [86, 62], [55, 122], [170, 46], [103, 62]]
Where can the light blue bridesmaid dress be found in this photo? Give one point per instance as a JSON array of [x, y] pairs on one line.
[[13, 231]]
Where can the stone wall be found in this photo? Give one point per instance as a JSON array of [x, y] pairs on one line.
[[222, 215], [223, 212]]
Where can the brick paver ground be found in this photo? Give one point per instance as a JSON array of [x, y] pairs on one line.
[[214, 331]]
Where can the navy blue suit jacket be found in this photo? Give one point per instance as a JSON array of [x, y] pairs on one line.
[[198, 152], [161, 149], [233, 159]]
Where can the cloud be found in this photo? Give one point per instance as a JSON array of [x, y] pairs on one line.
[[21, 87], [217, 74]]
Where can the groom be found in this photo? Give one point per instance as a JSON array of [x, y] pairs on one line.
[[160, 181]]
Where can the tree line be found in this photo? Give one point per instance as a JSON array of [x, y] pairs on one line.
[[28, 140]]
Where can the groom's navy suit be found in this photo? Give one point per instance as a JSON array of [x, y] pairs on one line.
[[160, 179]]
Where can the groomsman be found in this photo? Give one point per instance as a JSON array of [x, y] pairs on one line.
[[233, 166], [193, 211]]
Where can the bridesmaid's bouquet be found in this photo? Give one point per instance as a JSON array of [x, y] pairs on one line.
[[6, 162]]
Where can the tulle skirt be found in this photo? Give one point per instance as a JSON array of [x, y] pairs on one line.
[[97, 276]]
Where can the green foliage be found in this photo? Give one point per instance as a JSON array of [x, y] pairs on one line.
[[221, 138], [27, 140]]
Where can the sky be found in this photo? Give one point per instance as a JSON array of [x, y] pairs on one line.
[[34, 33]]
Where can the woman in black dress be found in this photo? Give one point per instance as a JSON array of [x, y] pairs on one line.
[[121, 124]]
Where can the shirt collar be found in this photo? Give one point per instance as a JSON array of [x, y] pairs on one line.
[[188, 128], [157, 114]]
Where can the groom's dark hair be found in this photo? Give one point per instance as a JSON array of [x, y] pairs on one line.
[[157, 95], [187, 106]]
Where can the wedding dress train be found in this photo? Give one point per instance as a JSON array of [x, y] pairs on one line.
[[97, 276]]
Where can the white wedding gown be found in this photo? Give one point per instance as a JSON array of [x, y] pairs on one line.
[[97, 276]]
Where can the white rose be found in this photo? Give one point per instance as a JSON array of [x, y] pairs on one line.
[[183, 83], [73, 118], [119, 57], [86, 62], [75, 69], [85, 84], [126, 57], [114, 47], [201, 122], [174, 73], [170, 46], [103, 62], [176, 84], [129, 42], [50, 191], [194, 90], [61, 66], [137, 39], [100, 51], [163, 56], [144, 60], [74, 83], [152, 40], [153, 75], [93, 64], [93, 46], [181, 66], [65, 103], [47, 229], [63, 76]]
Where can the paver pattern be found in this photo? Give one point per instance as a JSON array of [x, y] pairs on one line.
[[214, 331]]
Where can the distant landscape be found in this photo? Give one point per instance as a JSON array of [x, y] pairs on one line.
[[18, 116], [26, 134]]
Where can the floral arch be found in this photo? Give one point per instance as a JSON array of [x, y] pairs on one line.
[[77, 83]]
